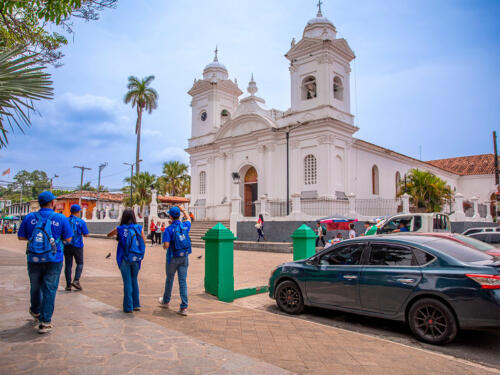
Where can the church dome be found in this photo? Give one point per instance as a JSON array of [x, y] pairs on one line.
[[215, 70], [320, 27]]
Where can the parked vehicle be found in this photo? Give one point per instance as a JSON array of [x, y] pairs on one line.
[[480, 230], [433, 284], [423, 222], [492, 238], [472, 241]]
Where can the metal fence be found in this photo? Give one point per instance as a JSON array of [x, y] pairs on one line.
[[277, 208], [377, 207], [324, 207], [482, 208]]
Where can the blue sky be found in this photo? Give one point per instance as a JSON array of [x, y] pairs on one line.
[[426, 73]]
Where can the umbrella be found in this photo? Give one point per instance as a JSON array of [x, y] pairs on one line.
[[11, 217], [337, 222]]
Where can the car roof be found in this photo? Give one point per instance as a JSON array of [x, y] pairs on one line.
[[420, 238]]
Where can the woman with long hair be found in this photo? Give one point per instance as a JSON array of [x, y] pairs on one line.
[[129, 254], [260, 228]]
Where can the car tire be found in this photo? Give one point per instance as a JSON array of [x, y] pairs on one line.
[[289, 298], [433, 322]]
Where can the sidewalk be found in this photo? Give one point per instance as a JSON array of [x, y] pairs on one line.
[[91, 337]]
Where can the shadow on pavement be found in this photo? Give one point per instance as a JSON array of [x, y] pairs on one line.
[[24, 333]]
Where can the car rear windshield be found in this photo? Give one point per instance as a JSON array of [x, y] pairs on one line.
[[458, 251], [479, 245]]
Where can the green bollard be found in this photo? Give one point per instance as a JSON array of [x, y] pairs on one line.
[[219, 266], [304, 242]]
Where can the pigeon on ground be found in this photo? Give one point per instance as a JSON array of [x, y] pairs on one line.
[[200, 257], [108, 256]]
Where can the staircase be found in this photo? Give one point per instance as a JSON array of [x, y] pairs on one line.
[[198, 230]]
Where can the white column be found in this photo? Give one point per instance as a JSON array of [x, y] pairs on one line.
[[475, 205], [120, 211], [261, 177], [459, 214], [106, 214], [94, 213], [84, 213], [488, 211], [352, 204], [296, 208], [263, 205], [153, 207], [405, 198]]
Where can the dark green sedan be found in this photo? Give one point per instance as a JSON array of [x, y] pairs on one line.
[[436, 285]]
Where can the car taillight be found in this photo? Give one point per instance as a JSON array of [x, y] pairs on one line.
[[486, 281]]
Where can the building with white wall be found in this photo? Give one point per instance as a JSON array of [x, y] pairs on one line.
[[239, 147]]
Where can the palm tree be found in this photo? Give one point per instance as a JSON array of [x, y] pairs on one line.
[[175, 180], [86, 187], [427, 191], [22, 81], [141, 185], [143, 98]]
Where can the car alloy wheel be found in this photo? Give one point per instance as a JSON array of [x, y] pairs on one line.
[[289, 298], [432, 321]]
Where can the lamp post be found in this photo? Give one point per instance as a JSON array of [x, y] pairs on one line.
[[81, 181], [101, 167], [131, 176], [51, 181]]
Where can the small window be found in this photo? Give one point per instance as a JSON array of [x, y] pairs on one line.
[[441, 222], [203, 182], [397, 224], [309, 88], [398, 183], [417, 223], [225, 115], [375, 185], [422, 257], [338, 89], [390, 255], [345, 255], [203, 116], [310, 170]]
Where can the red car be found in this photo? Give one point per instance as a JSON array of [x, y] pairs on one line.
[[466, 240]]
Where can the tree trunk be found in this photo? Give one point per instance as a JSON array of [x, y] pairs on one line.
[[138, 131]]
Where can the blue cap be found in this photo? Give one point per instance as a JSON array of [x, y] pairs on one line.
[[174, 211], [75, 208], [45, 197]]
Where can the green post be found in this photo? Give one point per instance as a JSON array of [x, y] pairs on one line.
[[219, 262], [304, 242]]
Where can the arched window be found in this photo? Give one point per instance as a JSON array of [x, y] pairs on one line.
[[310, 170], [225, 115], [203, 182], [338, 89], [375, 188], [309, 88], [398, 183]]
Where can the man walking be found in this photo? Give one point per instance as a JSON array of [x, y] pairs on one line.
[[178, 245], [44, 230], [75, 249]]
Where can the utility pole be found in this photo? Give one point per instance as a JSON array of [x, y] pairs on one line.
[[51, 180], [81, 181], [131, 165], [101, 167], [496, 158]]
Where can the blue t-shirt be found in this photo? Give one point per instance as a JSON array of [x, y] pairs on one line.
[[169, 234], [404, 229], [122, 239], [61, 229], [81, 230]]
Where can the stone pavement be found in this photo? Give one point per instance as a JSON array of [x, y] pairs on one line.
[[296, 345], [91, 337]]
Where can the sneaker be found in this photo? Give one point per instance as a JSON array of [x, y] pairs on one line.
[[44, 328], [77, 285], [162, 304], [68, 288], [35, 316], [183, 312], [137, 309]]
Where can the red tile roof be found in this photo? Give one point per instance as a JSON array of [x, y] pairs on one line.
[[92, 195], [171, 199], [467, 165]]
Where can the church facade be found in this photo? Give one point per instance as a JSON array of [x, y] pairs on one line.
[[242, 152]]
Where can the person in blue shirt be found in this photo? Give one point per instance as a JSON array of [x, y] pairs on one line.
[[44, 269], [401, 228], [129, 268], [75, 249], [175, 263]]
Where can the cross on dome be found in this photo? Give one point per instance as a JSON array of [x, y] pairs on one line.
[[319, 9], [216, 52]]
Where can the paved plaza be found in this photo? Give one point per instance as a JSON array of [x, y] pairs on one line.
[[93, 336]]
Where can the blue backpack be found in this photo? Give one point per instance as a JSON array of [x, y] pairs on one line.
[[42, 241], [134, 247], [182, 242], [73, 221]]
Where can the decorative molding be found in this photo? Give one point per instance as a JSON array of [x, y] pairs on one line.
[[261, 148], [326, 139], [271, 146], [294, 144]]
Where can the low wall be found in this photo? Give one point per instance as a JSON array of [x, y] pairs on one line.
[[103, 227], [280, 231]]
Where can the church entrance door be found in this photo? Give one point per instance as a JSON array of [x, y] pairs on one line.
[[250, 192]]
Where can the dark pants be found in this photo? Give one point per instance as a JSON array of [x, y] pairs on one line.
[[322, 239], [129, 271], [71, 252], [260, 233], [158, 238], [153, 237], [44, 279]]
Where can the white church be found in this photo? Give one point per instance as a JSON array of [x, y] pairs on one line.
[[247, 159]]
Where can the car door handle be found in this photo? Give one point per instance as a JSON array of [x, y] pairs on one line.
[[406, 281], [350, 277]]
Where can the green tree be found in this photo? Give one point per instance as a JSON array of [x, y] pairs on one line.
[[427, 191], [21, 83], [27, 23], [143, 98], [175, 179], [141, 189], [86, 187], [29, 184]]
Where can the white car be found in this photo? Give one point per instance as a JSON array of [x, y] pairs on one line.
[[421, 222], [470, 231]]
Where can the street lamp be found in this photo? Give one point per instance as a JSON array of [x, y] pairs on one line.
[[55, 176], [131, 175]]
